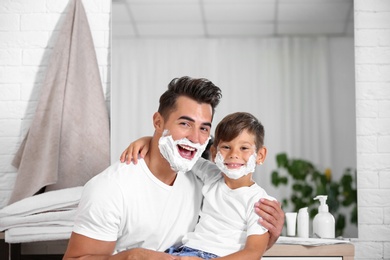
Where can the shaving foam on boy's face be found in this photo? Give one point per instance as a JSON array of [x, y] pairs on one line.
[[236, 173], [181, 154]]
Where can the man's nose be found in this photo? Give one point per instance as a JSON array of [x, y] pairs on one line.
[[195, 136]]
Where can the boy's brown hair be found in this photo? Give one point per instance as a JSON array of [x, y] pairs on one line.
[[232, 125]]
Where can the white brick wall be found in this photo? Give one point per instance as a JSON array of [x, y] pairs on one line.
[[372, 58], [28, 31]]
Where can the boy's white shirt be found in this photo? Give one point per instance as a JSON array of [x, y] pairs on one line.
[[227, 216]]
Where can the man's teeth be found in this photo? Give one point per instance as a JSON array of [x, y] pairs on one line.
[[187, 148]]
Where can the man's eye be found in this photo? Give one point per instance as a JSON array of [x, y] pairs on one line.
[[205, 129]]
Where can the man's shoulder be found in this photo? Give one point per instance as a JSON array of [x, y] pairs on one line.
[[114, 182], [117, 173]]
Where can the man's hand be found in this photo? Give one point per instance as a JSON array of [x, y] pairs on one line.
[[271, 217]]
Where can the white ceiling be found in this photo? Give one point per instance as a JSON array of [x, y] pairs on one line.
[[231, 18]]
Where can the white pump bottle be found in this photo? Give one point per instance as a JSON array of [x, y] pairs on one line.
[[323, 223], [303, 223]]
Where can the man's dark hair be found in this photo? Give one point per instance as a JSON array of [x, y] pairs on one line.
[[199, 89], [232, 125], [207, 153]]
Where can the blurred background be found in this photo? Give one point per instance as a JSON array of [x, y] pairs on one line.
[[288, 62]]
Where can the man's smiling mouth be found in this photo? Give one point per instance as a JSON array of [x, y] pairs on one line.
[[186, 152]]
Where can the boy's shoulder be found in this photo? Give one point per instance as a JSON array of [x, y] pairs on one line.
[[257, 192]]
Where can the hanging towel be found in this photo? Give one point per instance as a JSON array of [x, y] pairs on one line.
[[68, 140]]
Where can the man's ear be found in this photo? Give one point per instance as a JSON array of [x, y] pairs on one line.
[[158, 122], [261, 154]]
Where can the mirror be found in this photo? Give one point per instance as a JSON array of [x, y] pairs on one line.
[[317, 125]]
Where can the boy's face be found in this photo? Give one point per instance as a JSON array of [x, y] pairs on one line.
[[190, 120], [236, 152]]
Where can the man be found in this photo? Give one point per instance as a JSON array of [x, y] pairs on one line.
[[136, 211]]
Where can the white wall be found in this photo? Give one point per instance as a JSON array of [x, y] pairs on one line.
[[342, 93], [343, 120], [27, 32], [372, 49]]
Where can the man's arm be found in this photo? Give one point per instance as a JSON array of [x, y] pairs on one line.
[[271, 217], [82, 247]]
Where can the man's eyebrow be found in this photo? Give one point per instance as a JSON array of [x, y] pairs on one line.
[[207, 124], [187, 118], [192, 120]]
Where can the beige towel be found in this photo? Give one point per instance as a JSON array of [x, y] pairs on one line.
[[68, 140]]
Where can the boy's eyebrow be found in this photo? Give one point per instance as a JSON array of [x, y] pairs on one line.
[[192, 120]]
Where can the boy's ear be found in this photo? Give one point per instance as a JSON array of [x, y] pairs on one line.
[[158, 122], [261, 155], [213, 153]]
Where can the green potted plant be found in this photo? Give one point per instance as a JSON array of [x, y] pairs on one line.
[[306, 182]]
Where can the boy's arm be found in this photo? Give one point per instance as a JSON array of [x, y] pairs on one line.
[[206, 170], [271, 218], [255, 247], [138, 147]]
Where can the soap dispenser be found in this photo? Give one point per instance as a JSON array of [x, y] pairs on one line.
[[323, 223]]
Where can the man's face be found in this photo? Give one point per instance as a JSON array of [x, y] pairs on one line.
[[190, 120]]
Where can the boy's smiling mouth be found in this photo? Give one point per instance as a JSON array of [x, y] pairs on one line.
[[234, 165]]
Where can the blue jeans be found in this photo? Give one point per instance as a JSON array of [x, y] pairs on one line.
[[188, 251]]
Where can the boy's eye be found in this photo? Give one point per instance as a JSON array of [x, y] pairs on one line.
[[224, 147]]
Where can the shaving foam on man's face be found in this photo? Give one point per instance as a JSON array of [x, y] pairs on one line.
[[236, 173], [181, 154]]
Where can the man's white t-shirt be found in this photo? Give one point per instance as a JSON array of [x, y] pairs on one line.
[[227, 217], [128, 204]]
